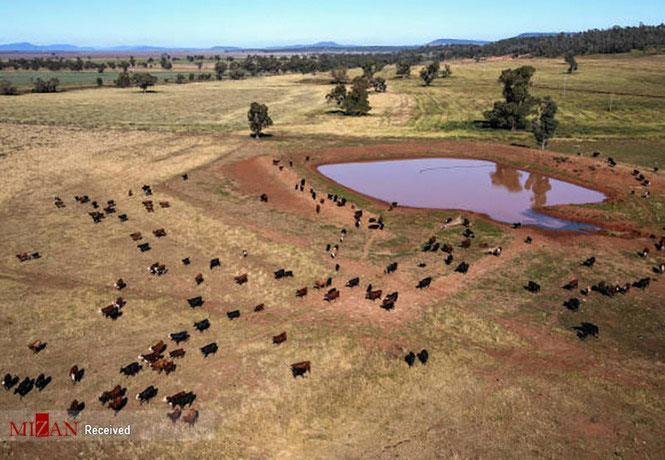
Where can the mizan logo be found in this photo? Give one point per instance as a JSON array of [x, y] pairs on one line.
[[41, 427]]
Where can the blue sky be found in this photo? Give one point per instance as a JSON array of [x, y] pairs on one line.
[[199, 23]]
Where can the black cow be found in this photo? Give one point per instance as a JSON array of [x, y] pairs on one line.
[[144, 247], [423, 356], [76, 374], [449, 259], [120, 284], [147, 394], [178, 337], [233, 314], [589, 262], [182, 399], [572, 284], [123, 218], [391, 268], [259, 307], [198, 278], [195, 301], [75, 408], [131, 369], [410, 358], [211, 348], [353, 282], [8, 381], [282, 273], [572, 304], [462, 268], [264, 198], [25, 386], [214, 263], [202, 325], [532, 286], [186, 261], [42, 381], [424, 283], [642, 283], [586, 329]]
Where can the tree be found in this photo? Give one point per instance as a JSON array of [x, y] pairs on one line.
[[403, 70], [144, 80], [447, 72], [339, 75], [356, 102], [132, 61], [46, 86], [6, 89], [123, 80], [165, 61], [379, 85], [545, 127], [258, 118], [571, 61], [337, 95], [180, 79], [101, 67], [518, 105], [100, 81], [220, 68], [429, 73]]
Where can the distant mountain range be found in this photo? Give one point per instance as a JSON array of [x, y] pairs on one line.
[[25, 47]]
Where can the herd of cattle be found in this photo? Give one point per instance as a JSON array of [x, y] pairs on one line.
[[157, 359]]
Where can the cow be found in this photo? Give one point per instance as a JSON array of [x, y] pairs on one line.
[[423, 356], [37, 346], [532, 286], [82, 199], [331, 295], [280, 338], [468, 233], [120, 284], [158, 269], [178, 337], [150, 357], [586, 329], [144, 247], [186, 261], [241, 279], [177, 353], [184, 176], [215, 263], [528, 240], [659, 269], [116, 392], [195, 301], [258, 308], [181, 399], [264, 198], [572, 304], [319, 284], [42, 381], [76, 374], [462, 268], [495, 251], [96, 216], [147, 190], [159, 347], [202, 325], [211, 348], [57, 201], [117, 404], [642, 283], [8, 381], [373, 295], [164, 205], [75, 408], [410, 358], [190, 416], [159, 233], [131, 369], [163, 365], [147, 394], [198, 278], [233, 314], [516, 225], [301, 292], [301, 368], [111, 311], [391, 268], [449, 259], [388, 304], [123, 218], [644, 253], [136, 236], [353, 282], [589, 262], [424, 283], [572, 284], [24, 387], [465, 244], [282, 273], [174, 415]]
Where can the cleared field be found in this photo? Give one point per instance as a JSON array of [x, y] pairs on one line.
[[507, 376]]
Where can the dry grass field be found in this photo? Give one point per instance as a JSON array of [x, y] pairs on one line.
[[507, 377]]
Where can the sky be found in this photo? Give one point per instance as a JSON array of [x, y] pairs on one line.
[[258, 23]]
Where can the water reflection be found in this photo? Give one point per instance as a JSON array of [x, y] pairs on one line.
[[504, 193]]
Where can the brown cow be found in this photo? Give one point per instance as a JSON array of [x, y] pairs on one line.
[[117, 403], [190, 416], [159, 347], [110, 395], [301, 292], [331, 295], [163, 365], [241, 279], [177, 353], [37, 346], [373, 295], [150, 357], [277, 339], [136, 236], [301, 368]]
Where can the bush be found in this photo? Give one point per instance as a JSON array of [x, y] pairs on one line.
[[6, 89], [46, 86], [123, 80]]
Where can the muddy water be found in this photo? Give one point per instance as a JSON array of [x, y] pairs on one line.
[[503, 193]]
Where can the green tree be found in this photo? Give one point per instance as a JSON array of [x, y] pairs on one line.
[[46, 86], [6, 89], [337, 94], [258, 118], [429, 73], [571, 61], [356, 102], [403, 70], [165, 61], [220, 68], [100, 81], [546, 125], [144, 80], [123, 80], [518, 105], [180, 79]]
